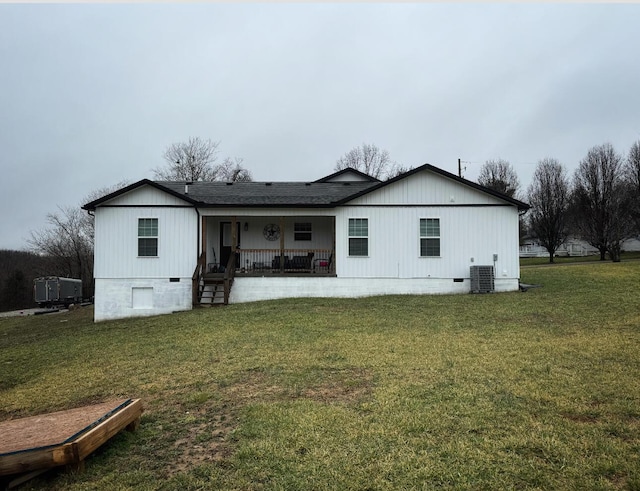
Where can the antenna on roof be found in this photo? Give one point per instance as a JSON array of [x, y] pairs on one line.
[[460, 168]]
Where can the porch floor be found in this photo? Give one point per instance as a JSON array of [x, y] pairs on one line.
[[270, 273]]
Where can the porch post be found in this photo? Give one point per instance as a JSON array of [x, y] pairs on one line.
[[333, 248], [234, 234], [234, 240], [282, 244], [204, 240]]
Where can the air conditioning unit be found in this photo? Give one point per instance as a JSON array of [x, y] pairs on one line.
[[482, 279]]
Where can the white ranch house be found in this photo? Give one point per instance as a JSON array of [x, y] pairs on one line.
[[162, 247]]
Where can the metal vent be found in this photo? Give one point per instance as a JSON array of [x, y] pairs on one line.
[[482, 279]]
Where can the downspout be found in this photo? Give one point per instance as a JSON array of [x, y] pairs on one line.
[[197, 233], [195, 207], [93, 256]]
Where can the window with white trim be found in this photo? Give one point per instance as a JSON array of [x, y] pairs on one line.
[[148, 237], [302, 231], [358, 236], [429, 237]]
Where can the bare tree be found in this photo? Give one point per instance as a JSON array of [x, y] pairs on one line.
[[548, 196], [397, 169], [68, 241], [601, 199], [193, 160], [632, 176], [196, 160], [500, 176], [231, 170], [371, 160]]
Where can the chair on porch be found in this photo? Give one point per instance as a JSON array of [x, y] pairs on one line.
[[275, 263], [301, 263], [295, 263], [323, 264], [215, 266]]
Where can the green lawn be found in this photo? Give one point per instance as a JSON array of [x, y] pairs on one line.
[[534, 261], [536, 390]]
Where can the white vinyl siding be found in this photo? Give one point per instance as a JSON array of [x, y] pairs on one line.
[[146, 196], [472, 236], [429, 237], [116, 243], [358, 237], [427, 188]]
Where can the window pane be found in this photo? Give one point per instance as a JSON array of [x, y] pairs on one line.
[[358, 227], [433, 227], [358, 247], [147, 227], [147, 247], [430, 247], [302, 231], [429, 227], [302, 227]]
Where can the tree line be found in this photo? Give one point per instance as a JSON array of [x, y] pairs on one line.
[[600, 203]]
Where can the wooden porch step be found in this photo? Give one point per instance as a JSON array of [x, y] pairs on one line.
[[211, 292]]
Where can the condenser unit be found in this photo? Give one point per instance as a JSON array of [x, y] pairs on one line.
[[482, 279]]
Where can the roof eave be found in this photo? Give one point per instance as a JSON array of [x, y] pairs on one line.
[[91, 206], [202, 204]]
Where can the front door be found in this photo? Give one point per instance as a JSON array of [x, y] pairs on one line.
[[226, 242]]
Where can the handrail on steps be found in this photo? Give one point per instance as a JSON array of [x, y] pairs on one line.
[[229, 274], [195, 279]]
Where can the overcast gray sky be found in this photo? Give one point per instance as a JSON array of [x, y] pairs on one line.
[[93, 94]]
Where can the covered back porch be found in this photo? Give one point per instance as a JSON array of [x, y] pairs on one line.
[[259, 246], [274, 245]]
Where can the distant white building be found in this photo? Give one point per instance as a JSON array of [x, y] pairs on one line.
[[166, 246], [571, 248]]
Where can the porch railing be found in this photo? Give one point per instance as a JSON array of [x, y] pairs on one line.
[[256, 261], [196, 279]]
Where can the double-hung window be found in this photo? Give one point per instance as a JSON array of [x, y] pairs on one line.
[[429, 237], [148, 237], [302, 231], [358, 236]]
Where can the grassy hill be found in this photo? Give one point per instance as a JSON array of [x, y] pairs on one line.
[[536, 390]]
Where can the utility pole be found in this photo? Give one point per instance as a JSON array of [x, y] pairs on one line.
[[459, 168]]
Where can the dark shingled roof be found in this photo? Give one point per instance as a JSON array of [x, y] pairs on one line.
[[320, 194], [348, 170], [295, 194]]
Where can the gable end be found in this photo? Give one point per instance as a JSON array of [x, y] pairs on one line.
[[91, 206]]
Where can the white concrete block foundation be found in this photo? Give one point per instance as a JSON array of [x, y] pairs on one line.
[[139, 297], [121, 298], [270, 288]]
